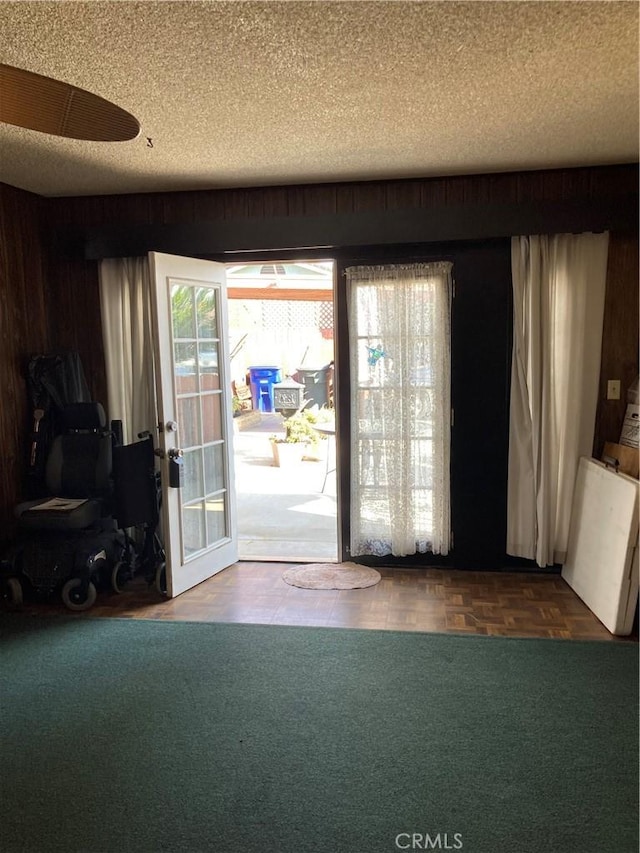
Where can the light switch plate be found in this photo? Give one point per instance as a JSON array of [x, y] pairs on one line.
[[613, 389]]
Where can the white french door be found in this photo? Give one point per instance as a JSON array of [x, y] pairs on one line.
[[195, 417]]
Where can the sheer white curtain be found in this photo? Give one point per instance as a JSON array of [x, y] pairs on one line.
[[558, 293], [399, 338], [127, 331]]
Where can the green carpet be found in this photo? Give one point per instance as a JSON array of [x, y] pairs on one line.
[[123, 735]]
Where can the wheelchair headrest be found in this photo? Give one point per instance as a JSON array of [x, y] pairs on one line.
[[85, 416]]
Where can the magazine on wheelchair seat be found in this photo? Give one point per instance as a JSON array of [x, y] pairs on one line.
[[59, 504]]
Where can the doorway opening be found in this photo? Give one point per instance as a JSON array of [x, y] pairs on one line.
[[282, 353]]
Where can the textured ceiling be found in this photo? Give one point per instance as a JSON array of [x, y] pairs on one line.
[[264, 93]]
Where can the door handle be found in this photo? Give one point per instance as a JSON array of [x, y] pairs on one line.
[[173, 453]]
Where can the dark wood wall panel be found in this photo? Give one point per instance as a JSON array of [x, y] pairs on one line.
[[23, 331], [75, 319], [320, 199], [619, 335]]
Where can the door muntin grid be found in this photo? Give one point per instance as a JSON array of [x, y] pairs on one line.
[[199, 406]]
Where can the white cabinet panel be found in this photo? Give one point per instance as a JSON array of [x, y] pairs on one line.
[[602, 557]]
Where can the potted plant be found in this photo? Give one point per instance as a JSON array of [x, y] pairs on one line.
[[299, 437]]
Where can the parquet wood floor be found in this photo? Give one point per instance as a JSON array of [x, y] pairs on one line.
[[489, 603]]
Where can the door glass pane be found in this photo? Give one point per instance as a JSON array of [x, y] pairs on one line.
[[207, 313], [183, 311], [193, 486], [214, 468], [216, 519], [211, 417], [193, 528], [209, 366], [185, 368], [188, 422]]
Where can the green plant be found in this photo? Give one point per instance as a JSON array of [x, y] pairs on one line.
[[299, 427]]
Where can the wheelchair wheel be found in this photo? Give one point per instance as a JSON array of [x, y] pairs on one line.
[[119, 576], [75, 598], [161, 578], [12, 593]]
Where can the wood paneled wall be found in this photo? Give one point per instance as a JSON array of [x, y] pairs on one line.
[[557, 185], [24, 330], [76, 322], [619, 335]]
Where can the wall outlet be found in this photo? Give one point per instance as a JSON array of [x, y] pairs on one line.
[[613, 389]]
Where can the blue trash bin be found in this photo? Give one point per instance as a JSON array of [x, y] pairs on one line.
[[262, 378]]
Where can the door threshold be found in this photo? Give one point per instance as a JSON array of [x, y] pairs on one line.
[[286, 558]]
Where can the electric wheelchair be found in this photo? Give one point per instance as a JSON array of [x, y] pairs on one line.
[[68, 541]]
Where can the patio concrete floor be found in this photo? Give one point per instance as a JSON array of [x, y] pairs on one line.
[[283, 514]]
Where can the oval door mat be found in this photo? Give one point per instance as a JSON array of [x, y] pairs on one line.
[[331, 576]]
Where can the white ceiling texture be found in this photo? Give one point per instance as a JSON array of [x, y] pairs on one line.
[[266, 93]]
